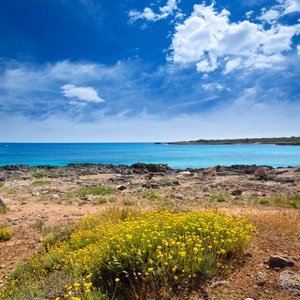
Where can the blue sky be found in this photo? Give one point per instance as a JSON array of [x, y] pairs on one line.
[[136, 71]]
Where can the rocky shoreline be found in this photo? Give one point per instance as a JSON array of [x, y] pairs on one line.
[[76, 170]]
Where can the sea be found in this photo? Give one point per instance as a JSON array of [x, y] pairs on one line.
[[176, 156]]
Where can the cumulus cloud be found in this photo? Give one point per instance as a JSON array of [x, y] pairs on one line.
[[269, 16], [208, 39], [149, 15], [88, 94], [291, 6]]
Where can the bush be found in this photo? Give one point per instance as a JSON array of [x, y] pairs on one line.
[[5, 234], [156, 247]]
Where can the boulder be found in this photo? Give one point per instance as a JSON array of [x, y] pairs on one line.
[[289, 281], [261, 278], [281, 261], [261, 172]]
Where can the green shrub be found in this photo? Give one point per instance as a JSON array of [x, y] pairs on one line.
[[40, 182], [5, 234], [94, 191], [38, 175], [128, 256]]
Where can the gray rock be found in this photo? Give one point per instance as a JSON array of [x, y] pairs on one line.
[[249, 299], [219, 283], [55, 197], [261, 278], [289, 281], [121, 187], [35, 194], [281, 261], [2, 202]]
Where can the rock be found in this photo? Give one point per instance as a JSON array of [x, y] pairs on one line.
[[23, 202], [207, 171], [149, 176], [249, 299], [289, 281], [237, 192], [219, 283], [261, 278], [281, 261], [2, 202], [35, 194], [185, 173], [121, 187], [219, 168], [177, 196], [261, 172], [55, 197]]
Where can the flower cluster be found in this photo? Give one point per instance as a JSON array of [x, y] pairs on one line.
[[154, 246], [5, 234]]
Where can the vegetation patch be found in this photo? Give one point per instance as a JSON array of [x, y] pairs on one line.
[[5, 234], [101, 258], [38, 175], [4, 209], [93, 191], [40, 182]]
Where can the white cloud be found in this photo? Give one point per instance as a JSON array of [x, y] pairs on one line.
[[269, 16], [213, 86], [207, 38], [291, 6], [249, 14], [231, 65], [149, 15], [298, 49], [88, 94]]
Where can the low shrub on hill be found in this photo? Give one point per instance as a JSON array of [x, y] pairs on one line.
[[131, 258], [5, 234]]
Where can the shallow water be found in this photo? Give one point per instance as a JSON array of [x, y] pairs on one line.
[[176, 156]]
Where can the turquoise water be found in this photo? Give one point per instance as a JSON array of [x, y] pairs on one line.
[[176, 156]]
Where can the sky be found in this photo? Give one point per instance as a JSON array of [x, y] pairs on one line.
[[148, 70]]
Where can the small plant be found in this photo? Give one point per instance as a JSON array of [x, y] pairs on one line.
[[5, 234], [4, 209], [40, 182], [102, 200], [112, 199], [69, 202], [38, 175], [50, 171], [16, 177], [221, 198], [293, 204], [38, 224], [264, 201], [128, 202]]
